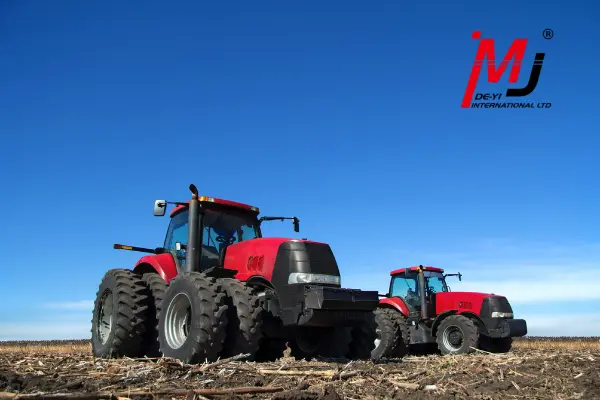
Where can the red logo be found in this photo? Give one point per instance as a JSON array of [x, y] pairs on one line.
[[255, 263], [516, 52]]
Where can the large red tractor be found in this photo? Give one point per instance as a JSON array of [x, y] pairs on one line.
[[217, 288], [420, 311]]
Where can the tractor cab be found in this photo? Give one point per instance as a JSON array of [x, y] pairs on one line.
[[409, 283], [221, 223], [418, 288]]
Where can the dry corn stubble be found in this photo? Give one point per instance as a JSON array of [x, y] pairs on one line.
[[551, 370]]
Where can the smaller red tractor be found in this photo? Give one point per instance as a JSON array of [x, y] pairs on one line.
[[421, 311], [217, 288]]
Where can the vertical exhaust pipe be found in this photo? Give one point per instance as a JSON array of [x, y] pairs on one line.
[[424, 313], [192, 255]]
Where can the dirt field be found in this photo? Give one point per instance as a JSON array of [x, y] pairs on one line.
[[534, 370]]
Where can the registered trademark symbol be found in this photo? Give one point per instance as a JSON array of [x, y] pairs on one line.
[[548, 33]]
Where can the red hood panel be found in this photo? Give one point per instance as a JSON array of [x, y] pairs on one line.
[[460, 301], [239, 256]]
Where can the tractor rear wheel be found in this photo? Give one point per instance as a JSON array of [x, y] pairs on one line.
[[500, 345], [457, 334], [363, 339], [120, 315], [392, 334], [245, 319], [193, 319], [158, 288]]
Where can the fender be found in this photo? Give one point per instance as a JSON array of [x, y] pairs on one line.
[[396, 303], [475, 318], [438, 320], [163, 264]]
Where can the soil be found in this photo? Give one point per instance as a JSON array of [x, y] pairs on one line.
[[531, 374]]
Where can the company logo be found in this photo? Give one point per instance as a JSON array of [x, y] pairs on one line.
[[516, 52]]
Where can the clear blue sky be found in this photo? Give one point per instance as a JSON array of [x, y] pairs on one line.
[[346, 114]]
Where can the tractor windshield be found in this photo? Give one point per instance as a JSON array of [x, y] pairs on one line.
[[223, 227], [406, 286], [220, 228]]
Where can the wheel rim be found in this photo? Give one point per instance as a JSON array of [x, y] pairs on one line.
[[178, 320], [104, 321], [453, 338], [378, 337]]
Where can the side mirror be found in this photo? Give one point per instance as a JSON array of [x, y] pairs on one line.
[[459, 276], [160, 207], [296, 225]]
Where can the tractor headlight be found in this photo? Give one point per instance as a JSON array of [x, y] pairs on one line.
[[498, 314], [301, 277]]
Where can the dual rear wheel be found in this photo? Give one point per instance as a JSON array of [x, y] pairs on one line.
[[195, 318]]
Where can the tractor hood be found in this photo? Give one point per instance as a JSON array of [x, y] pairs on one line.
[[282, 259], [482, 304]]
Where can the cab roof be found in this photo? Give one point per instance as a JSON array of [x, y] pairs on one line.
[[214, 200], [425, 268]]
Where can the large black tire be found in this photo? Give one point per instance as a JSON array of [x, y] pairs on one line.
[[193, 319], [157, 287], [245, 319], [120, 315], [500, 345], [403, 345], [392, 334], [457, 334], [363, 339]]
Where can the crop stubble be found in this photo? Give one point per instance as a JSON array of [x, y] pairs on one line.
[[558, 372]]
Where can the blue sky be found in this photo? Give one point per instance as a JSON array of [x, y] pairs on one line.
[[346, 114]]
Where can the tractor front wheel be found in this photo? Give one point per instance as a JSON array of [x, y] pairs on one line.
[[193, 319], [120, 315], [457, 334]]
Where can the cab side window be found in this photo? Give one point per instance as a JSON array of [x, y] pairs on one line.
[[178, 231], [407, 290]]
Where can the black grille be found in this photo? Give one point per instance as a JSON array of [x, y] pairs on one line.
[[492, 304]]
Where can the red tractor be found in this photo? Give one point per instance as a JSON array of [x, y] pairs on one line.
[[217, 288], [421, 311]]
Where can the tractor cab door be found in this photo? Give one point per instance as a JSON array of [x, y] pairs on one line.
[[406, 287], [178, 233]]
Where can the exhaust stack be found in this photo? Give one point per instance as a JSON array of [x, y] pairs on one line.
[[424, 313], [192, 255]]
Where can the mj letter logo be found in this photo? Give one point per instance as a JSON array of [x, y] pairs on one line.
[[515, 53]]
